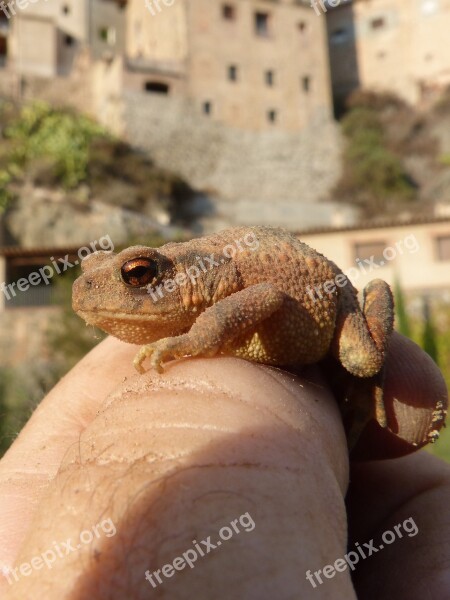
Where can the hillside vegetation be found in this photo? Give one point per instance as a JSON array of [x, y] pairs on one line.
[[58, 148], [396, 159]]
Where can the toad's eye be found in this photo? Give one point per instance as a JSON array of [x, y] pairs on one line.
[[139, 271]]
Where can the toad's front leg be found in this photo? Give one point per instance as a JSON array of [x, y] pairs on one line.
[[216, 326]]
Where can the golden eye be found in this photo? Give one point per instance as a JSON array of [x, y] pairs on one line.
[[139, 272]]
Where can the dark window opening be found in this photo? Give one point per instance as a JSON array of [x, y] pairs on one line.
[[3, 49], [306, 83], [370, 250], [69, 40], [66, 9], [270, 78], [378, 23], [302, 26], [228, 12], [232, 73], [340, 36], [272, 116], [262, 24], [4, 21], [443, 248], [207, 107], [156, 87], [25, 285]]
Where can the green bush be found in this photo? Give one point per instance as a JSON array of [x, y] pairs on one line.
[[401, 315], [61, 136], [373, 178]]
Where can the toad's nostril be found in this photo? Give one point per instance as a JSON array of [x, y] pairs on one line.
[[96, 258]]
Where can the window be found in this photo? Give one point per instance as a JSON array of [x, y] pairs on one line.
[[24, 285], [107, 35], [272, 116], [3, 50], [232, 73], [69, 40], [302, 26], [207, 107], [156, 87], [341, 35], [270, 78], [378, 23], [65, 9], [262, 24], [306, 83], [370, 250], [443, 248], [229, 12]]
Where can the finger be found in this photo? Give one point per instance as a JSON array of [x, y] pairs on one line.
[[407, 498], [415, 398], [174, 458]]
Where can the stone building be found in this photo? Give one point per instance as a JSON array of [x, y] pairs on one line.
[[252, 64], [61, 51], [398, 46]]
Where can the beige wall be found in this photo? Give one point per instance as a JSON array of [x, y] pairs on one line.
[[107, 102], [407, 52], [413, 260], [36, 46], [215, 44], [73, 22], [192, 39], [37, 36], [158, 37]]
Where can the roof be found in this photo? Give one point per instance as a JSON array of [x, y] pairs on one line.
[[39, 252], [44, 252], [381, 224]]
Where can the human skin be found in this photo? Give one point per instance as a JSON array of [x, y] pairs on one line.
[[172, 458]]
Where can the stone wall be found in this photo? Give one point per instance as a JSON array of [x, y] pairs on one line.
[[270, 177]]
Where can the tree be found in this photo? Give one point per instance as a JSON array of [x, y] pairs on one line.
[[403, 324], [429, 335]]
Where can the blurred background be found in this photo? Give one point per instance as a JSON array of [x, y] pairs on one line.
[[144, 121]]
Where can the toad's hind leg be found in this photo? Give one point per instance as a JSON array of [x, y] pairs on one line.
[[361, 342], [361, 337]]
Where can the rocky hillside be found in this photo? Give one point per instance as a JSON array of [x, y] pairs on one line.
[[64, 179], [396, 158]]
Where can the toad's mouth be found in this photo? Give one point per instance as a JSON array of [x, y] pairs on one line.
[[135, 329], [92, 316]]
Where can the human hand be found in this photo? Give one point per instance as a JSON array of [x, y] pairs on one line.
[[165, 460]]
